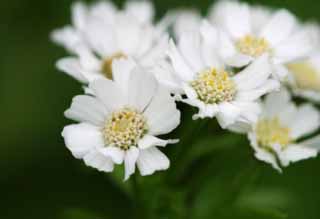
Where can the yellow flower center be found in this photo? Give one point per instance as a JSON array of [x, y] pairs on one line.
[[271, 131], [306, 76], [213, 86], [124, 128], [252, 46], [107, 64]]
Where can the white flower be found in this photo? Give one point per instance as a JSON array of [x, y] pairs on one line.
[[304, 77], [119, 124], [102, 34], [185, 20], [275, 136], [212, 87], [250, 33]]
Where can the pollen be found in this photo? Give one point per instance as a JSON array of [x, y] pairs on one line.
[[107, 64], [271, 131], [305, 75], [124, 128], [214, 86], [252, 46]]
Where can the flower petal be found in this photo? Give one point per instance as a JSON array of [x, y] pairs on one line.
[[81, 138], [180, 66], [142, 89], [162, 114], [151, 160], [307, 120], [279, 27], [190, 48], [109, 93], [295, 153], [255, 75], [228, 114], [130, 160], [87, 109], [97, 160], [312, 143], [254, 94], [72, 67], [114, 153], [150, 141]]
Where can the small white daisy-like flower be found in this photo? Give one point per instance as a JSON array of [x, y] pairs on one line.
[[304, 77], [275, 136], [119, 124], [250, 33], [209, 85], [102, 34]]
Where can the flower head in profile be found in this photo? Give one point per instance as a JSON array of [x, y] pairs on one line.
[[250, 33], [304, 77], [275, 136], [120, 122], [211, 86], [101, 33]]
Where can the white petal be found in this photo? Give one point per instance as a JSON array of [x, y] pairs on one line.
[[255, 75], [190, 48], [252, 95], [239, 60], [295, 153], [87, 109], [263, 155], [162, 113], [180, 66], [151, 160], [97, 160], [72, 67], [79, 15], [150, 141], [114, 153], [249, 111], [68, 37], [228, 114], [109, 93], [141, 10], [130, 161], [276, 101], [298, 46], [142, 89], [312, 143], [205, 110], [307, 120], [279, 27], [236, 18], [102, 40], [81, 138], [121, 72]]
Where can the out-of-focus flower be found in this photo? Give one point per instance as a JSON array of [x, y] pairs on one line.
[[305, 75], [250, 33], [101, 34], [215, 89], [275, 136], [119, 123]]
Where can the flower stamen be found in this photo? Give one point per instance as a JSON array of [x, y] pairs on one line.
[[271, 131], [213, 86], [124, 128], [252, 46]]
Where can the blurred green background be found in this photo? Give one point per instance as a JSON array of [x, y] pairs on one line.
[[40, 179]]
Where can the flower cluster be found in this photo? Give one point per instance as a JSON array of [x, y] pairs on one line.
[[241, 65]]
